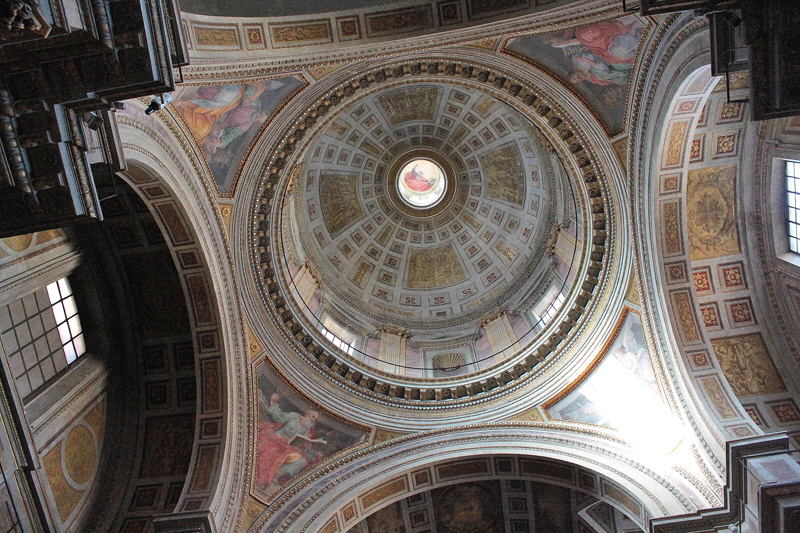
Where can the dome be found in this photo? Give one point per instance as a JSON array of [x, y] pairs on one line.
[[421, 183], [430, 230], [433, 269]]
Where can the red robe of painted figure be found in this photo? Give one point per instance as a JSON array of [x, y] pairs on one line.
[[416, 181]]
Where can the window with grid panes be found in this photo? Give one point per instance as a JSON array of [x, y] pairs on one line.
[[793, 204], [67, 320], [41, 335]]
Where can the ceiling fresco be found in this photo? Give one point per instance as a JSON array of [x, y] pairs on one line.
[[377, 270], [626, 361], [225, 119], [596, 60], [292, 436], [567, 335], [623, 371]]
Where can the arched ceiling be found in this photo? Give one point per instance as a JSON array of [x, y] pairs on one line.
[[518, 127], [487, 506], [316, 235], [517, 137]]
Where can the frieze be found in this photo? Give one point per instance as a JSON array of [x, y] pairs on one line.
[[552, 20], [709, 476], [708, 493]]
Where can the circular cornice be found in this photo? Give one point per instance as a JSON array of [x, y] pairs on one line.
[[564, 138]]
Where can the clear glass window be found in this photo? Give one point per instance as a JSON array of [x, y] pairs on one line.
[[553, 308], [793, 204], [41, 335], [421, 183], [67, 320], [339, 343]]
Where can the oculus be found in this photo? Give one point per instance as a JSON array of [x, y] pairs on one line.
[[421, 183]]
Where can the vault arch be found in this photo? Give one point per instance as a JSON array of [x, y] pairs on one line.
[[158, 169], [383, 474]]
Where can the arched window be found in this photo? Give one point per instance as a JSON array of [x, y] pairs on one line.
[[339, 336], [781, 189]]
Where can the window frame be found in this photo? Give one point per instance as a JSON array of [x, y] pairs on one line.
[[792, 210], [776, 203], [69, 325]]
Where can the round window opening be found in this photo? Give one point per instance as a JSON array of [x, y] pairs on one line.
[[421, 183]]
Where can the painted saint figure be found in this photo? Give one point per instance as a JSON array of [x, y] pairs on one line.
[[218, 114], [285, 442], [602, 54], [612, 40], [416, 180]]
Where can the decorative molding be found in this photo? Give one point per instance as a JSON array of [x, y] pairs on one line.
[[185, 522], [736, 492], [559, 18], [196, 194], [98, 381], [414, 28]]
